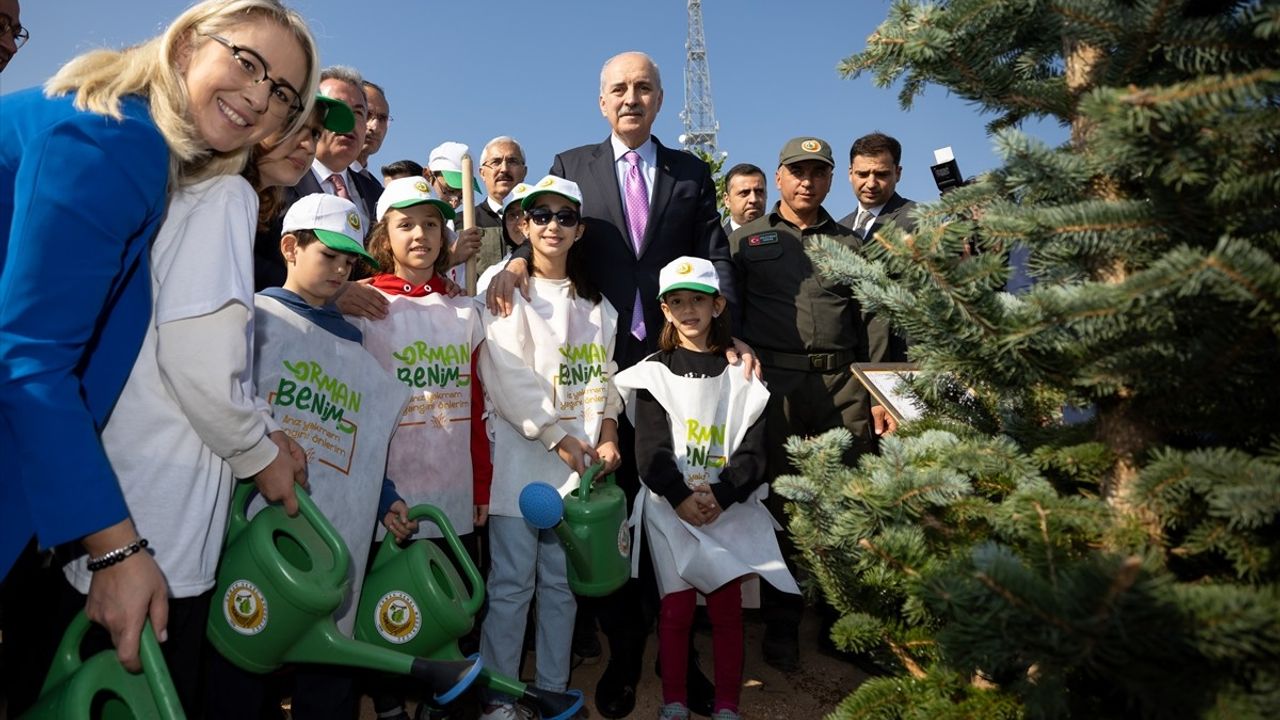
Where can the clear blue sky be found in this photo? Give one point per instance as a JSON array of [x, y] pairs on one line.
[[469, 71]]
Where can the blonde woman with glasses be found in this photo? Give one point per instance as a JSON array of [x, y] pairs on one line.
[[86, 171]]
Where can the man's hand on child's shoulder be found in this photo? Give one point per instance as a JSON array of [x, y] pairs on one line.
[[361, 300]]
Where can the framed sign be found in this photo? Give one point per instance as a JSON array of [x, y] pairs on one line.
[[882, 380]]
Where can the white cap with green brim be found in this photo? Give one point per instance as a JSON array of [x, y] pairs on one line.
[[334, 220], [516, 195], [446, 159], [555, 185], [689, 273], [408, 191]]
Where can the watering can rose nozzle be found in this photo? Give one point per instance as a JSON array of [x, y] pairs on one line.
[[592, 527]]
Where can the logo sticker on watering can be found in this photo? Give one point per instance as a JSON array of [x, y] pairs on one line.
[[245, 608], [397, 617], [624, 539]]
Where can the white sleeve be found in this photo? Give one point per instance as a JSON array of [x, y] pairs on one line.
[[519, 395], [202, 360], [203, 256]]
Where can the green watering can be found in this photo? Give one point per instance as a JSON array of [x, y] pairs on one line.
[[592, 526], [415, 602], [280, 580], [100, 687]]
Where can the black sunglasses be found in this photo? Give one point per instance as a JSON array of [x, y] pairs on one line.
[[541, 216]]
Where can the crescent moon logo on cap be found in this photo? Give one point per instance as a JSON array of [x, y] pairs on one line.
[[546, 182], [353, 220], [421, 186], [684, 269], [811, 146]]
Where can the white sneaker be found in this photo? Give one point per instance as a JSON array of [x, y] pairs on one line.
[[505, 711]]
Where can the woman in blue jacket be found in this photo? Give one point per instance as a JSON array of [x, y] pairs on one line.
[[85, 171]]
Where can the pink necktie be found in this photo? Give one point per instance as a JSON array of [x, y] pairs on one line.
[[637, 196], [339, 186]]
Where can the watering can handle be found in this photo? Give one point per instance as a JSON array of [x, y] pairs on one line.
[[239, 520], [157, 674], [67, 661], [584, 482], [341, 555], [476, 597]]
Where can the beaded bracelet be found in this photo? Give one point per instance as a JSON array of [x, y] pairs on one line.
[[108, 559]]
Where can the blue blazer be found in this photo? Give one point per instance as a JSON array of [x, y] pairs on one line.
[[81, 197]]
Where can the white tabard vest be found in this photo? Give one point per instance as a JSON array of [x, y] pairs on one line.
[[426, 344], [570, 362], [709, 418], [334, 399]]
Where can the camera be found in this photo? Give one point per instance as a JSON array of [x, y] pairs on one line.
[[946, 171]]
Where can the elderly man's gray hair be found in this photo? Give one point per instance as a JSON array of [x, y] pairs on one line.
[[657, 74], [501, 140]]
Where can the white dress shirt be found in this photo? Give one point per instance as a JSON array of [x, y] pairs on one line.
[[322, 173], [648, 153]]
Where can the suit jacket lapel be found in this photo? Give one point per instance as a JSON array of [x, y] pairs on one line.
[[605, 177], [886, 214], [663, 185], [308, 185]]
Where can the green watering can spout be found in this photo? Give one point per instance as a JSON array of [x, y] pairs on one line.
[[100, 687], [592, 527], [279, 583]]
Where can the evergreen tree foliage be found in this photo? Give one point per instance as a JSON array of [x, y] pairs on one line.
[[995, 560]]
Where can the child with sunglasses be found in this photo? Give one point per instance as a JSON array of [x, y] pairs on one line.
[[700, 453], [548, 368]]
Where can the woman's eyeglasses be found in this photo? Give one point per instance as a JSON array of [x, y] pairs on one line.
[[284, 98], [19, 34]]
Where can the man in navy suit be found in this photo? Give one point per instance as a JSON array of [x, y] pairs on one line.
[[331, 173], [644, 205], [875, 167]]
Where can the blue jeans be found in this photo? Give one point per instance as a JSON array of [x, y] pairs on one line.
[[522, 558]]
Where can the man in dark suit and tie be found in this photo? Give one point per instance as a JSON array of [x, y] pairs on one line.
[[330, 173], [376, 127], [874, 171], [744, 195], [643, 205]]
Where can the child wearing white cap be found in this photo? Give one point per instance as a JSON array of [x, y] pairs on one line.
[[444, 171], [548, 367], [321, 385], [512, 232], [700, 453]]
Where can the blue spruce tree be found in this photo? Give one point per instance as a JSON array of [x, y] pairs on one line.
[[995, 560]]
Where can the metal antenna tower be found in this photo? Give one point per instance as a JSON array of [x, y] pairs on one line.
[[699, 115]]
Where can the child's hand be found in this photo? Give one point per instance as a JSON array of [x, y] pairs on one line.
[[690, 510], [481, 515], [571, 450], [466, 246], [707, 501], [397, 521], [609, 453], [451, 288]]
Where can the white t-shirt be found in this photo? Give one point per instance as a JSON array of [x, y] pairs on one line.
[[177, 487]]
